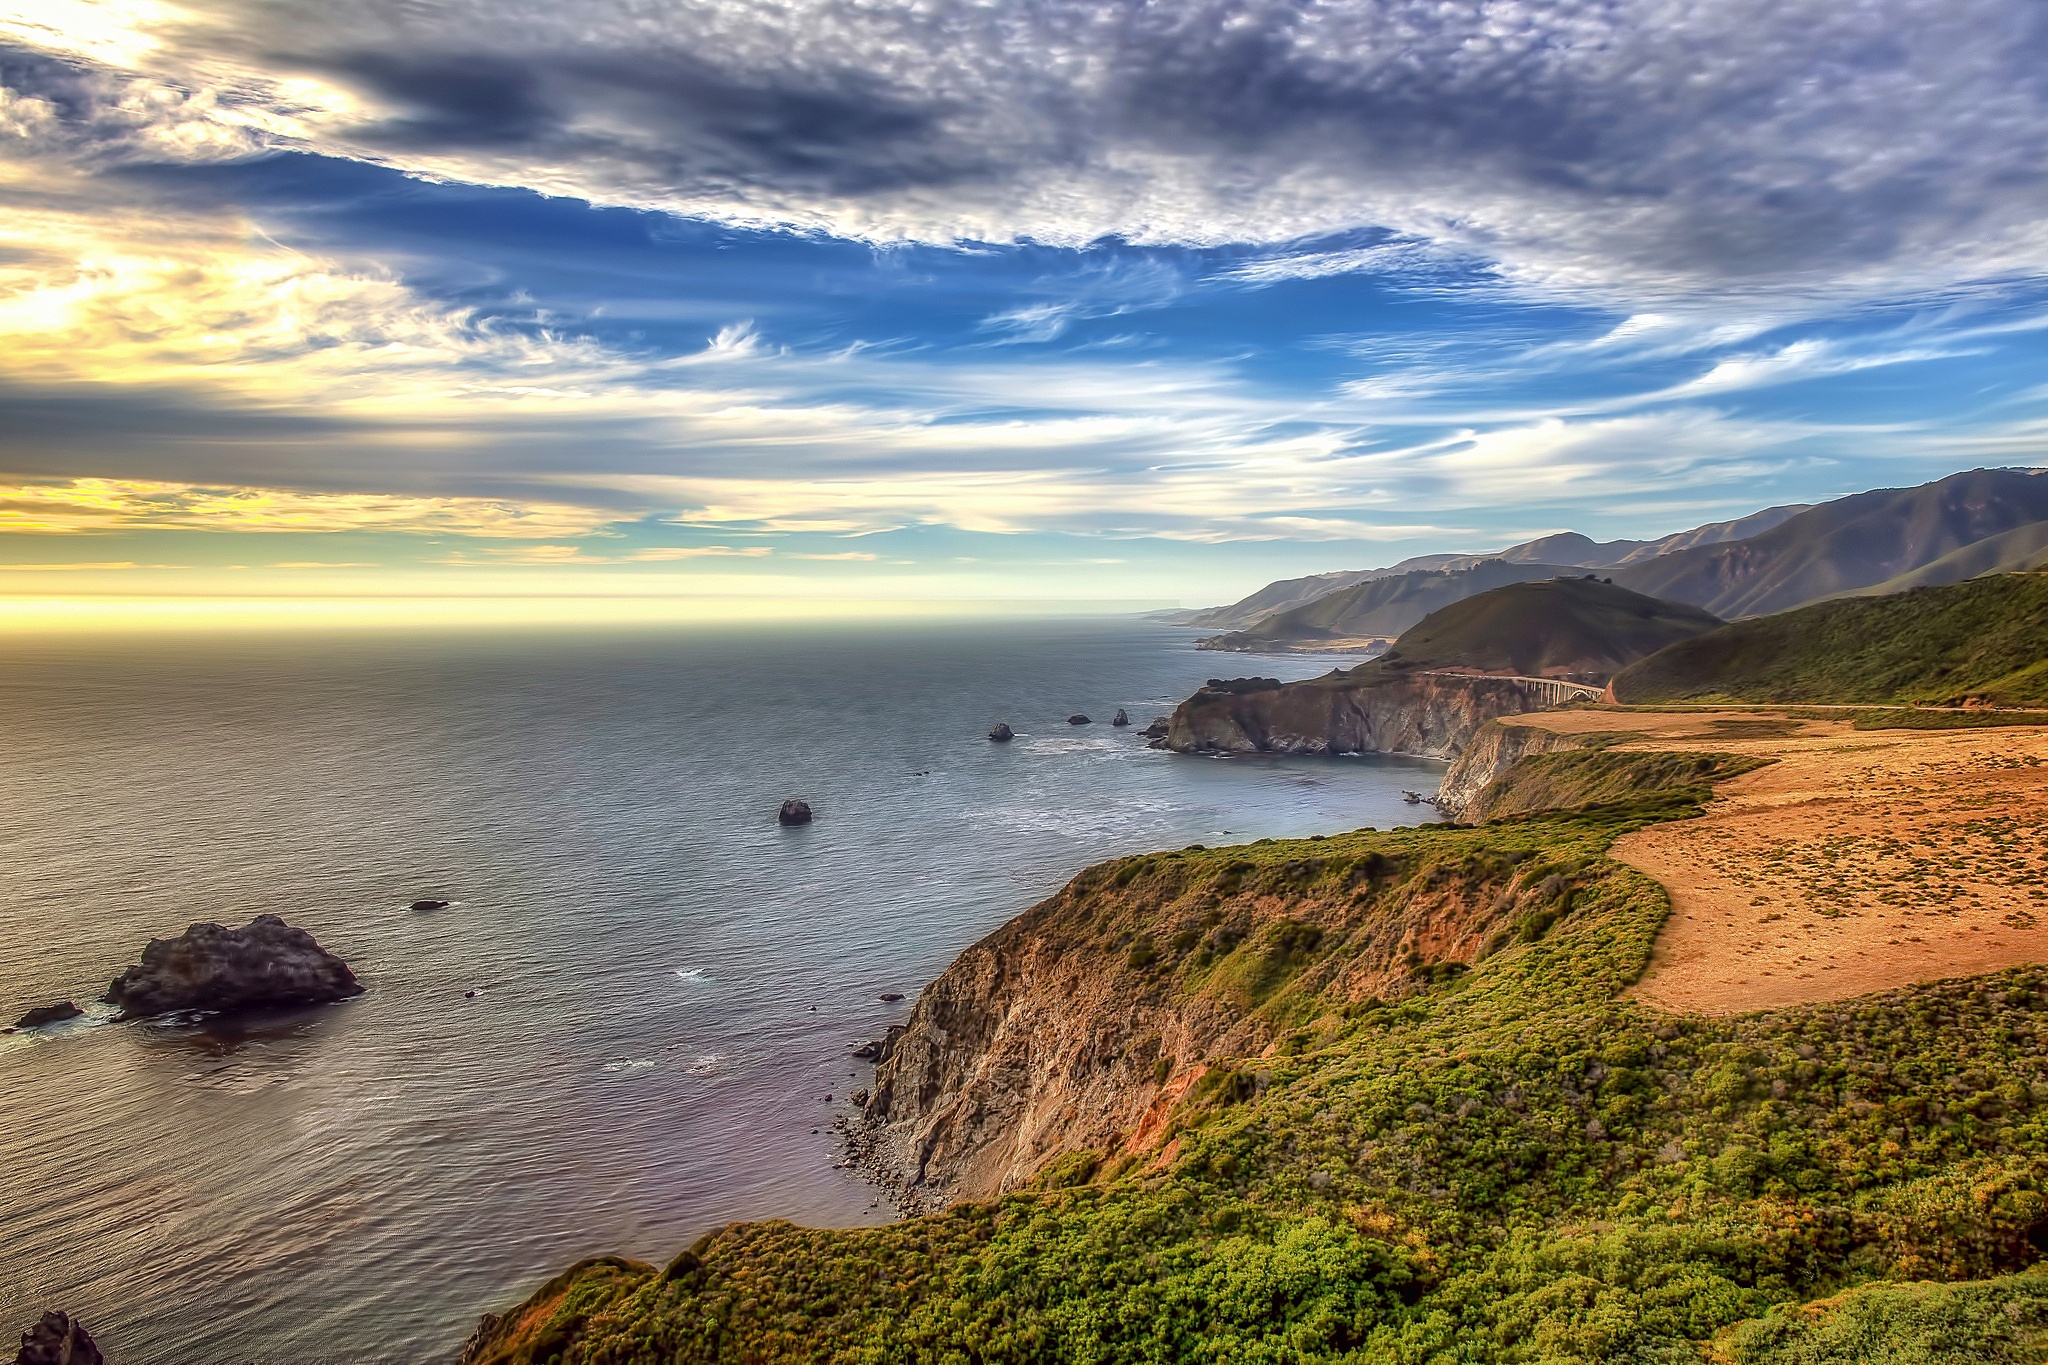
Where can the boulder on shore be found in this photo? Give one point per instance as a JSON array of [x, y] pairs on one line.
[[59, 1339], [1119, 718], [1077, 719], [1002, 734], [794, 812], [49, 1014], [212, 967]]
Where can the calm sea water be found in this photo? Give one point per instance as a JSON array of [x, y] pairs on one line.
[[666, 983]]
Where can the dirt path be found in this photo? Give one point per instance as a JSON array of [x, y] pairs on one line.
[[1859, 861]]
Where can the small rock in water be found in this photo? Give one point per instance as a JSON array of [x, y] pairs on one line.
[[469, 995], [892, 996], [431, 905], [1077, 719], [794, 812], [59, 1339], [1157, 729], [1119, 718], [1002, 734], [268, 964], [49, 1014]]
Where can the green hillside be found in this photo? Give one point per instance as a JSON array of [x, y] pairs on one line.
[[1847, 545], [1987, 638], [1563, 627], [1511, 1163]]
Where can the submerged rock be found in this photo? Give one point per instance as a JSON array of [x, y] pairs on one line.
[[212, 967], [1119, 718], [892, 996], [1078, 719], [431, 905], [49, 1014], [794, 812], [1002, 734], [59, 1339]]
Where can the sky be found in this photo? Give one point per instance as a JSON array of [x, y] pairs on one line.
[[739, 305]]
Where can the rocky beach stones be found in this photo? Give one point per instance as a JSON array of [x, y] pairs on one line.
[[794, 812], [49, 1014], [1002, 734], [268, 964], [59, 1339]]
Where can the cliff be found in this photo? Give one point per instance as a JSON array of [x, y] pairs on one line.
[[1502, 1163], [1082, 1023], [1361, 711], [1496, 747]]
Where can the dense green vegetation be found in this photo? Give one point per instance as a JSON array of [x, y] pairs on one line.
[[1985, 639], [1579, 626], [1593, 777], [1511, 1163]]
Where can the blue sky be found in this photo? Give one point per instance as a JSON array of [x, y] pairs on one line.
[[1128, 302]]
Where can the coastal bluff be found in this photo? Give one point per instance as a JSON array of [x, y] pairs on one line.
[[1359, 711], [1088, 1023]]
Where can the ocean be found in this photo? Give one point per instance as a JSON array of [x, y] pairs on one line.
[[632, 1024]]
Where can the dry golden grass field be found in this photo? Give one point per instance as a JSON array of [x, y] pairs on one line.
[[1858, 861]]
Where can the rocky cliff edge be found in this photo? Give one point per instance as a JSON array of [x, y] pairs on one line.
[[1091, 1021]]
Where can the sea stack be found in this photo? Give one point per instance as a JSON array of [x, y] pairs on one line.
[[794, 812], [59, 1339], [1002, 734], [1077, 719], [269, 964], [1119, 718]]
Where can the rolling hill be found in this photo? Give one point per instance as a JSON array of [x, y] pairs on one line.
[[1578, 628], [1380, 608], [1849, 545], [1984, 639]]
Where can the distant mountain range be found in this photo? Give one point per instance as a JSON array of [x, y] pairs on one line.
[[1887, 540], [1566, 550]]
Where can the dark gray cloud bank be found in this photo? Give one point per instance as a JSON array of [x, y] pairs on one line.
[[1638, 147]]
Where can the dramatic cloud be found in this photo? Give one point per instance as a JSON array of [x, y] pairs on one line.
[[1628, 146]]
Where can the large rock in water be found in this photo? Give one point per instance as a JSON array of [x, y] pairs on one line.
[[795, 811], [59, 1339], [213, 967], [49, 1014]]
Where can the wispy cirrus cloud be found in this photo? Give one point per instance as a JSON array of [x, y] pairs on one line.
[[87, 506]]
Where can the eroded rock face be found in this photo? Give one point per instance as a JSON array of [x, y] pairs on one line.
[[1433, 715], [1085, 1022], [59, 1339], [269, 964], [1494, 749], [1024, 1049]]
